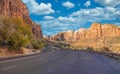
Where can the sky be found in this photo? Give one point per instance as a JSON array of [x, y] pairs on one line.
[[56, 16]]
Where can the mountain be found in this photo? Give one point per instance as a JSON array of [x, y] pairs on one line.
[[97, 36], [18, 8]]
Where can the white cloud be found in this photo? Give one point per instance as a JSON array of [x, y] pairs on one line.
[[25, 1], [38, 9], [87, 4], [48, 18], [79, 18], [68, 4], [58, 25], [118, 23], [66, 19], [108, 2], [51, 25], [97, 14]]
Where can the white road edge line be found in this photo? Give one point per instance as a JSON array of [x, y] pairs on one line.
[[11, 67], [17, 59]]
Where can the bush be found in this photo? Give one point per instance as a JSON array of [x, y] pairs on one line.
[[17, 41], [14, 32], [38, 44], [105, 48], [90, 49]]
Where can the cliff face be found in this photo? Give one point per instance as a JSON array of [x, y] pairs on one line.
[[97, 30], [96, 36], [18, 8]]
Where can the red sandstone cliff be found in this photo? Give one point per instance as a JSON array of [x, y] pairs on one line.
[[18, 8]]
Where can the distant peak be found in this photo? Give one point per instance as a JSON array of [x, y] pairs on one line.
[[95, 25]]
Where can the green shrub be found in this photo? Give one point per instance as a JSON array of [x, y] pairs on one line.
[[15, 32], [17, 41], [38, 44]]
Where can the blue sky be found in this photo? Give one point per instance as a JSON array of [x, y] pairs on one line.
[[56, 16]]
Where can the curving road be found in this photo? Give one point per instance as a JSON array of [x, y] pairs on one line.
[[61, 62]]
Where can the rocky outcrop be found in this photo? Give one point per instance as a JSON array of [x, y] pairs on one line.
[[18, 8], [58, 37]]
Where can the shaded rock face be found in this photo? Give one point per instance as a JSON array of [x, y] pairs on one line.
[[63, 36], [97, 30], [58, 37], [18, 8]]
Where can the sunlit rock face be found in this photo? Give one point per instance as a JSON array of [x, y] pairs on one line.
[[110, 30], [96, 30], [97, 36], [18, 8], [68, 35]]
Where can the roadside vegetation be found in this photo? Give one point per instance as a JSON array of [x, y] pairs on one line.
[[104, 50], [16, 34], [38, 43]]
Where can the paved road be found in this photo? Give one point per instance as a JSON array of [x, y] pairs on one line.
[[61, 62]]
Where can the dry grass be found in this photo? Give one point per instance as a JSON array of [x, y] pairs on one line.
[[101, 44], [4, 52]]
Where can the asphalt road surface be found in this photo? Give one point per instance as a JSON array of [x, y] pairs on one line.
[[61, 62]]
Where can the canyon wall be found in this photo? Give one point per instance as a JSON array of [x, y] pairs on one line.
[[98, 35], [18, 8], [96, 30]]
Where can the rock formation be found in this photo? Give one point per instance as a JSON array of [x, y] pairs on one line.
[[18, 8], [96, 30], [96, 36]]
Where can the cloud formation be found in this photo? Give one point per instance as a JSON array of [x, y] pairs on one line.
[[79, 18], [87, 4], [48, 17], [108, 3], [39, 9], [52, 24], [68, 4], [97, 14], [118, 23]]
